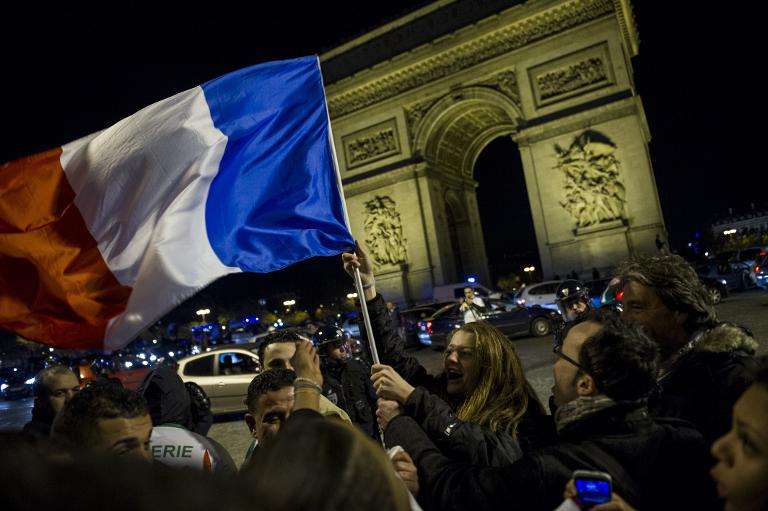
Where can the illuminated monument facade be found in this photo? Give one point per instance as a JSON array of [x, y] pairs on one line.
[[414, 103]]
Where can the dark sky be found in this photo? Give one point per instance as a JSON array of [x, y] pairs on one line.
[[72, 70]]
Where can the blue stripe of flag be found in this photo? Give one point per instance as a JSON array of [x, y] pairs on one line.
[[275, 200]]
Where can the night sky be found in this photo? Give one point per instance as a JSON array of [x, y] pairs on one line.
[[70, 71]]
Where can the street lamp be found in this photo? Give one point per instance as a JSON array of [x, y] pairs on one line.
[[203, 313]]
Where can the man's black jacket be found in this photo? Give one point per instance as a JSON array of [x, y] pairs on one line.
[[347, 384], [665, 460], [704, 384], [429, 406]]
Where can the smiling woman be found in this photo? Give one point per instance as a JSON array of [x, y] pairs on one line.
[[490, 377], [475, 409]]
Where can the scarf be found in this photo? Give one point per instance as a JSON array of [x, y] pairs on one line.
[[579, 408]]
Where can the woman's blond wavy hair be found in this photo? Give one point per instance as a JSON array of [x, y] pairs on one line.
[[502, 394]]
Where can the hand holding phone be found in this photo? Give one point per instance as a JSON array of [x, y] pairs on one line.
[[592, 487]]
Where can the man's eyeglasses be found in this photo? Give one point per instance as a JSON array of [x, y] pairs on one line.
[[557, 350]]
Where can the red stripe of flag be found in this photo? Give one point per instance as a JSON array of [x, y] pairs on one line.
[[55, 287]]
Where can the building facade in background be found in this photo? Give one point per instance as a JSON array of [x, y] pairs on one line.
[[413, 104]]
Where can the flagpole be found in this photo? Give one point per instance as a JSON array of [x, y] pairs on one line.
[[356, 277]]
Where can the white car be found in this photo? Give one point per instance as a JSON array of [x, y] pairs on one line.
[[542, 294], [224, 374]]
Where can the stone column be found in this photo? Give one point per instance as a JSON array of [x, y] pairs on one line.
[[591, 187]]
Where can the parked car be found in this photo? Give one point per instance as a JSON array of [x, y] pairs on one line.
[[596, 290], [512, 321], [542, 294], [224, 374], [409, 320], [761, 270], [746, 256], [716, 288], [734, 275]]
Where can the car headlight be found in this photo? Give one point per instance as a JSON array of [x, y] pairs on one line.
[[3, 386], [30, 381]]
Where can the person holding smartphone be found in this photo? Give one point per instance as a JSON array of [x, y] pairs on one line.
[[604, 370], [741, 472]]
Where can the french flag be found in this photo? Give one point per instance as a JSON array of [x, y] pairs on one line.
[[103, 236]]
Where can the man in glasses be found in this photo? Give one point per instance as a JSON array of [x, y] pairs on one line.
[[346, 380], [603, 372]]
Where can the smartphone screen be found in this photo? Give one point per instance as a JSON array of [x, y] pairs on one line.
[[593, 491]]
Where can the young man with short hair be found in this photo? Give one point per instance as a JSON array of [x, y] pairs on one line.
[[276, 351], [270, 401], [104, 419]]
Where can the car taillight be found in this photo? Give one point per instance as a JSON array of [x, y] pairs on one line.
[[620, 295], [429, 327]]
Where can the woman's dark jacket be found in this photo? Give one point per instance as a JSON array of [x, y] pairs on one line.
[[428, 406]]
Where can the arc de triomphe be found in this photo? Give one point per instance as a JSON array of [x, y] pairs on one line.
[[414, 102]]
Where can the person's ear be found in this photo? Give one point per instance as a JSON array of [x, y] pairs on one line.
[[585, 385], [250, 420]]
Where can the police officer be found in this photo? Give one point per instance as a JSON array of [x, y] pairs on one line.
[[572, 300], [346, 381]]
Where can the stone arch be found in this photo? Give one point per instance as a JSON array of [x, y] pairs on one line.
[[457, 127], [414, 103]]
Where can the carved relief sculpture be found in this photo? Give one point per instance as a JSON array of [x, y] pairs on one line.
[[367, 148], [384, 231], [371, 144], [506, 83], [573, 77], [593, 192], [415, 113]]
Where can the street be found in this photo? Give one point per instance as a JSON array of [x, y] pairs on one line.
[[749, 309]]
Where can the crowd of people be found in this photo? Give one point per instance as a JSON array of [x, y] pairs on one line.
[[659, 396]]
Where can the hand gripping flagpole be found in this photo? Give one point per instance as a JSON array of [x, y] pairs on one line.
[[357, 278]]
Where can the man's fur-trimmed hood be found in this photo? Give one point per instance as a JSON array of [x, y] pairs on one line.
[[725, 337]]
